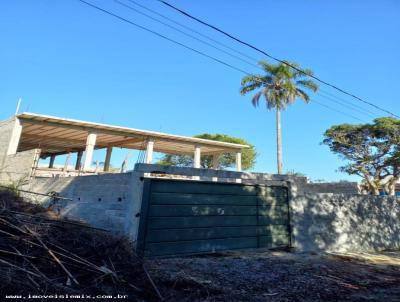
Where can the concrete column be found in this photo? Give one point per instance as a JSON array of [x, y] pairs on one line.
[[197, 156], [78, 160], [90, 143], [149, 151], [239, 161], [215, 163], [108, 159], [52, 159], [15, 137]]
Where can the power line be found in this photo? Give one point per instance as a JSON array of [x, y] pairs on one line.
[[163, 37], [336, 110], [330, 95], [190, 48], [345, 105], [193, 30], [186, 34], [339, 101], [276, 59]]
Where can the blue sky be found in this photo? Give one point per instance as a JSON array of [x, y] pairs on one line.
[[66, 59]]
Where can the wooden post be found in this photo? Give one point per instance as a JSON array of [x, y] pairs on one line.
[[78, 160], [65, 169], [108, 159], [52, 159]]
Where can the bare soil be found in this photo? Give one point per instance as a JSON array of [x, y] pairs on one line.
[[279, 276]]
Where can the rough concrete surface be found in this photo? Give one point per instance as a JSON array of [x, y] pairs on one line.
[[108, 201], [342, 222], [279, 276]]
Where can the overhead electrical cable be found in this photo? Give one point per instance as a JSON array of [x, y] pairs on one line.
[[185, 33], [190, 48], [339, 111], [347, 105], [330, 95], [163, 37], [193, 30], [339, 101], [277, 59]]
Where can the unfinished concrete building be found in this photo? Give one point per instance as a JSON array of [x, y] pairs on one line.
[[167, 210], [28, 137]]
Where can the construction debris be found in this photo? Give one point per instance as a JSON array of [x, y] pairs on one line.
[[42, 254]]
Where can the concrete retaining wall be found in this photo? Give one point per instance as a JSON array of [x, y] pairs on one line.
[[342, 222], [108, 201]]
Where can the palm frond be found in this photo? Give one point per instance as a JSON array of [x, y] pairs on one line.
[[309, 84], [303, 95], [281, 85], [256, 98], [251, 78], [268, 67], [303, 73], [250, 87]]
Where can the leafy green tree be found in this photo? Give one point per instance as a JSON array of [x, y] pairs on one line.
[[226, 160], [373, 152], [280, 86]]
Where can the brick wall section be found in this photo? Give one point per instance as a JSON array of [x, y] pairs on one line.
[[108, 201], [343, 222]]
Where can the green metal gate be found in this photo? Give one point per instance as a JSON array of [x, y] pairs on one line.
[[188, 217]]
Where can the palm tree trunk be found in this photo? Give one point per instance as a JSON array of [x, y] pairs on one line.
[[279, 141]]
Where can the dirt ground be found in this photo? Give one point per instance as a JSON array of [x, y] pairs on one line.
[[279, 276]]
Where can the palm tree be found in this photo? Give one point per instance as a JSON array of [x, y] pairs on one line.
[[280, 86]]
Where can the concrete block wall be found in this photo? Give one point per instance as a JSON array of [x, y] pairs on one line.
[[6, 129], [17, 168], [107, 201], [344, 222], [14, 168]]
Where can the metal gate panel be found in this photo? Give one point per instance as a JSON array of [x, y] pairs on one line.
[[188, 217]]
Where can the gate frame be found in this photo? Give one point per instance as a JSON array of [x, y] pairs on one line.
[[144, 211]]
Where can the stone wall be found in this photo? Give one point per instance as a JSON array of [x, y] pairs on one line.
[[332, 187], [343, 222], [108, 201]]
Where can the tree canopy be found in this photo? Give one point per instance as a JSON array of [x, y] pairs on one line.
[[280, 85], [373, 151], [226, 160]]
